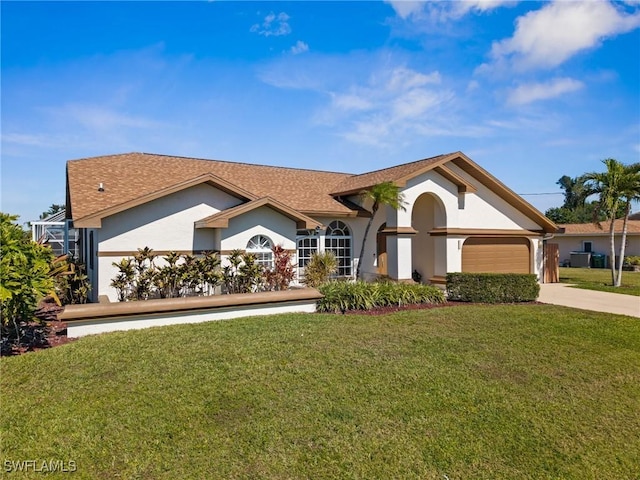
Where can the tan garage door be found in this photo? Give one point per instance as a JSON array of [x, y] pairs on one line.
[[499, 255]]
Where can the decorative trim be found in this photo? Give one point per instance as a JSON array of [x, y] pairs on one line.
[[399, 231], [95, 220], [158, 253], [221, 219], [228, 252], [481, 232], [461, 183]]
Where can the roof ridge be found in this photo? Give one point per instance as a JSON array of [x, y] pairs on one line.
[[404, 164], [213, 160]]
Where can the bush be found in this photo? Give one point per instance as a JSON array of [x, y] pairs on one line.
[[320, 268], [25, 271], [632, 260], [492, 287], [340, 296]]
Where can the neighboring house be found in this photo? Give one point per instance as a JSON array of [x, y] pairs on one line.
[[54, 231], [589, 238], [458, 217]]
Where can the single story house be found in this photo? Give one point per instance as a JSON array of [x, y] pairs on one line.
[[457, 216], [594, 239]]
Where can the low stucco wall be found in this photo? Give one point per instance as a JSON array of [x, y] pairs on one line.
[[99, 318]]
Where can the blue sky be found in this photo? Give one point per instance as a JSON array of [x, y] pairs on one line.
[[530, 91]]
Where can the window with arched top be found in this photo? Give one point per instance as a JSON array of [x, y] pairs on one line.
[[260, 246], [338, 240]]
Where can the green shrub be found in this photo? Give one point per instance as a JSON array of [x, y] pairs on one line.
[[340, 296], [320, 268], [492, 287], [25, 272], [632, 260]]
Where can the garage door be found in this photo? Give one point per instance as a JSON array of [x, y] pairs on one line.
[[498, 255]]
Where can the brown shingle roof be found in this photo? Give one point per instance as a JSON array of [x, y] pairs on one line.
[[135, 178], [132, 176], [633, 228], [398, 174]]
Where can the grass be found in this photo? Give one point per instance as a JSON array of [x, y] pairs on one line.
[[516, 391], [600, 279]]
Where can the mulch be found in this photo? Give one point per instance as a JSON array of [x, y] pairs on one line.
[[47, 333]]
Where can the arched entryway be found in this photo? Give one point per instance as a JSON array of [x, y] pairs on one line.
[[428, 253]]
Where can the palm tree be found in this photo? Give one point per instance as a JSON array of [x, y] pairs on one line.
[[382, 194], [630, 191], [617, 187]]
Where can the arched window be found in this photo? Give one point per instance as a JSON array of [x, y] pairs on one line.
[[338, 240], [260, 246]]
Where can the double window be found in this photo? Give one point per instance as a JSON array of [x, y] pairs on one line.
[[337, 239]]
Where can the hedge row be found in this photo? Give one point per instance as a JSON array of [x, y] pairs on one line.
[[342, 296], [492, 287]]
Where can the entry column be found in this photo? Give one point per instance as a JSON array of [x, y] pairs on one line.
[[399, 240]]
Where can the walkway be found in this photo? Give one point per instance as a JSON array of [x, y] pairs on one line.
[[563, 294]]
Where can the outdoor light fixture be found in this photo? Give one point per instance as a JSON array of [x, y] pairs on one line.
[[101, 187]]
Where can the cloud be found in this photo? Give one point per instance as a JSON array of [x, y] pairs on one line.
[[299, 47], [276, 25], [389, 107], [406, 8], [532, 92], [443, 11], [548, 37], [99, 118]]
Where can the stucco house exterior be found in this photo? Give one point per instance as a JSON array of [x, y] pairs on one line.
[[457, 216], [589, 238]]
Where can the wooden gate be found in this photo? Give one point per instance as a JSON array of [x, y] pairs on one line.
[[551, 263]]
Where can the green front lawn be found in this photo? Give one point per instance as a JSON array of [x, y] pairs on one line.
[[600, 279], [519, 391]]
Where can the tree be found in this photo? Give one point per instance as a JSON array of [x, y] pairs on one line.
[[382, 194], [617, 187], [575, 208], [630, 192], [53, 209], [24, 269]]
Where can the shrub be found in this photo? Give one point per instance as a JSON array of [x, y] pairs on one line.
[[632, 260], [492, 287], [340, 296], [25, 271], [283, 272], [320, 268]]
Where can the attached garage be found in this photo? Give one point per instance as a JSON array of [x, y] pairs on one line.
[[496, 255]]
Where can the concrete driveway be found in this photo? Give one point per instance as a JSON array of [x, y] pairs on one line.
[[563, 294]]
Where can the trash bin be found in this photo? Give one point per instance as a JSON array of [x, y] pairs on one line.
[[598, 260], [580, 259]]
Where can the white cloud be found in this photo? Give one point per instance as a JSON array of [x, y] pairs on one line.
[[463, 7], [547, 37], [406, 8], [100, 118], [276, 25], [532, 92], [443, 11], [350, 101], [404, 78], [299, 47]]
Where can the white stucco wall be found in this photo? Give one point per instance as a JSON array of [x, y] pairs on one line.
[[165, 224], [280, 229], [482, 209]]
